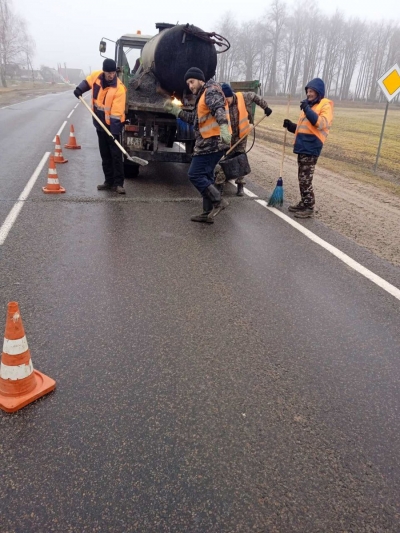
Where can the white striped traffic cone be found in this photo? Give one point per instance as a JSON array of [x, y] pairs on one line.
[[58, 155], [53, 185], [72, 144], [20, 384]]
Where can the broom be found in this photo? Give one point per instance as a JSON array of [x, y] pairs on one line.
[[276, 198]]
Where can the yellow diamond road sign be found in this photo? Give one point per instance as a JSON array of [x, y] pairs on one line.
[[390, 83]]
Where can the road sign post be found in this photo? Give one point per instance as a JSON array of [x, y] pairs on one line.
[[390, 86], [380, 140]]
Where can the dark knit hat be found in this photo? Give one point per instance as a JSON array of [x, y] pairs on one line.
[[195, 73], [226, 89], [109, 65]]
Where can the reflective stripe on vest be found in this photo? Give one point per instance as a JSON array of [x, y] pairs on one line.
[[244, 123], [208, 126], [321, 129]]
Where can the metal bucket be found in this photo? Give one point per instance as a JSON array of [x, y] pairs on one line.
[[235, 167]]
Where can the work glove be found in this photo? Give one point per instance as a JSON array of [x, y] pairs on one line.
[[226, 137], [78, 92], [172, 108], [304, 105], [288, 123], [268, 111]]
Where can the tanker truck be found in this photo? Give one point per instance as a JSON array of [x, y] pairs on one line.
[[153, 68]]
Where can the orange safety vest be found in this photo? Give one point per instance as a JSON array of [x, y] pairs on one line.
[[208, 126], [324, 110], [109, 102], [244, 122]]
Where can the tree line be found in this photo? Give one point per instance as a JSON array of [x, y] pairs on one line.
[[288, 47], [16, 45]]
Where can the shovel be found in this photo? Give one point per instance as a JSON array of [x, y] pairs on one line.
[[134, 159], [244, 136]]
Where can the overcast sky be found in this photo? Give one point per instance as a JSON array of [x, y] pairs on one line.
[[70, 30]]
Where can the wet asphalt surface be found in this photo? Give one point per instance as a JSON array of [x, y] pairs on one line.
[[225, 378]]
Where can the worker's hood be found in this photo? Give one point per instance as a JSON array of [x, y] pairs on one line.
[[318, 86]]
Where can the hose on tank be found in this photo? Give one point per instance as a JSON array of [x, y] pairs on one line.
[[210, 37]]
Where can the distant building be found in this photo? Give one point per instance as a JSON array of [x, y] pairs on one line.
[[26, 74], [72, 75], [13, 70], [51, 75]]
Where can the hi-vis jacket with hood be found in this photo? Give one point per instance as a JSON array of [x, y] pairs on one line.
[[108, 100], [313, 125]]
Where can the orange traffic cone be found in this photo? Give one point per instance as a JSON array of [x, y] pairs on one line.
[[72, 141], [58, 155], [20, 384], [53, 185]]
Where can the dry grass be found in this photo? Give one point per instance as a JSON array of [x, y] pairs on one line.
[[27, 89], [352, 143]]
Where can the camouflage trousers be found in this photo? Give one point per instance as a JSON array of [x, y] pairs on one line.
[[219, 173], [306, 165]]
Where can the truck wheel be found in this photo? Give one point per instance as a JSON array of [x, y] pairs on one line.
[[131, 170]]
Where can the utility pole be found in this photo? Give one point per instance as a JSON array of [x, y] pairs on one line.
[[29, 65]]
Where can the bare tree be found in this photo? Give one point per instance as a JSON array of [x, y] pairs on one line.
[[15, 42], [265, 57], [289, 49], [354, 39], [333, 42], [227, 61], [312, 43], [249, 48], [276, 19], [383, 34]]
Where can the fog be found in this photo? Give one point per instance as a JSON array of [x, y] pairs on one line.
[[69, 31]]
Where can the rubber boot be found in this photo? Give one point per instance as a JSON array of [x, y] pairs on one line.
[[220, 187], [218, 203], [239, 191], [204, 216]]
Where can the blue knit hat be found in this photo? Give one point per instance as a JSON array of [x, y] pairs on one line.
[[226, 89]]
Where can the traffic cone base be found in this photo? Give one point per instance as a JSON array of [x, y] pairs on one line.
[[20, 384], [53, 185], [44, 385], [48, 191], [72, 144], [58, 155]]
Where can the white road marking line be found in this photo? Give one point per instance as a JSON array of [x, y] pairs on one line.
[[13, 214], [59, 131], [249, 193], [246, 191], [70, 113], [76, 105], [383, 284]]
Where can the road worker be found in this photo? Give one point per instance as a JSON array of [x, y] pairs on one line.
[[210, 119], [240, 114], [311, 131], [108, 103]]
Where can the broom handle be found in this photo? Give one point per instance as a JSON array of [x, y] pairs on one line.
[[284, 138], [244, 136]]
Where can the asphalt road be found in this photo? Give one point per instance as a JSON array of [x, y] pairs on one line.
[[227, 378]]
